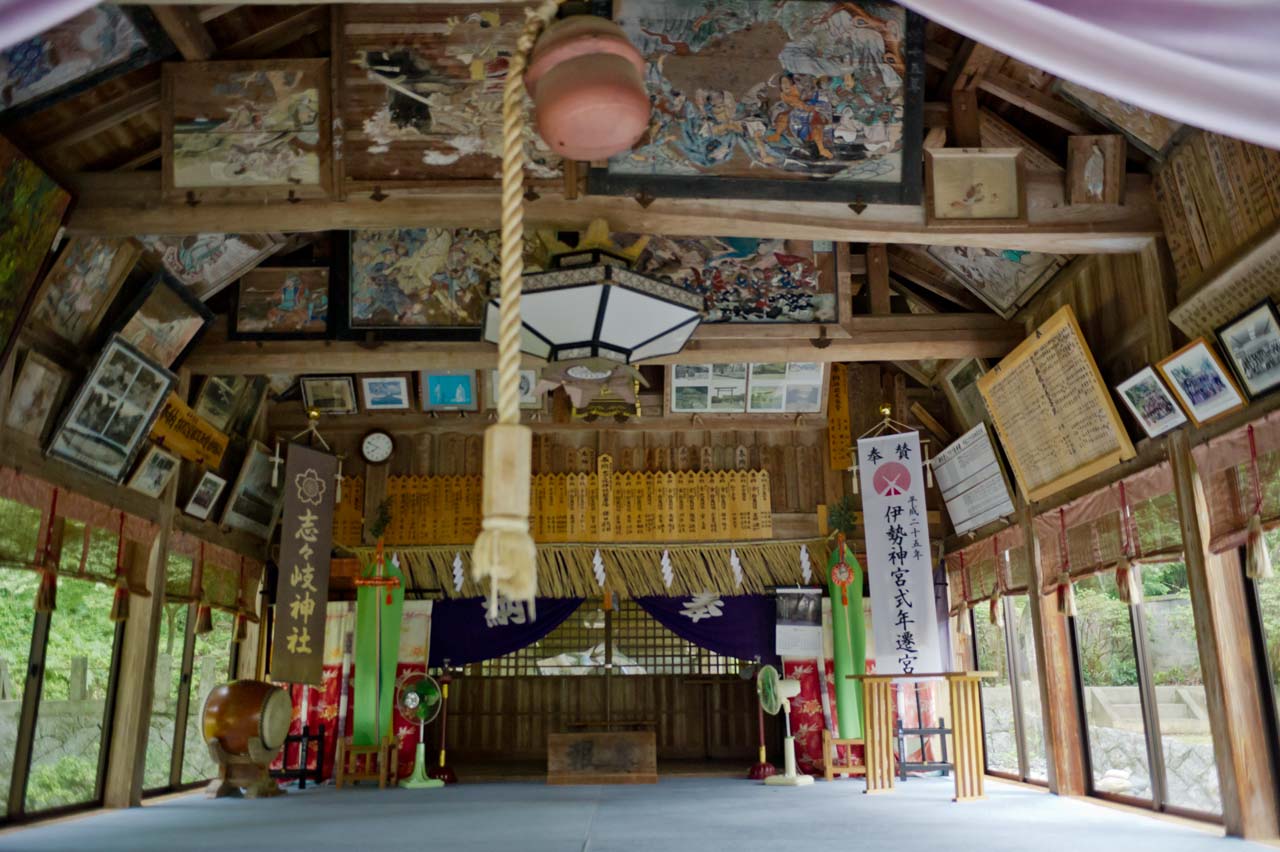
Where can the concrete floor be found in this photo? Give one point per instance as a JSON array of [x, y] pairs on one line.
[[702, 814]]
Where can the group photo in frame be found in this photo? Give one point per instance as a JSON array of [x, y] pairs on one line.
[[1150, 402], [1251, 343], [1203, 386]]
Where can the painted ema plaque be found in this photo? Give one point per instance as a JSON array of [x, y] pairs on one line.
[[1053, 413], [302, 588], [899, 561]]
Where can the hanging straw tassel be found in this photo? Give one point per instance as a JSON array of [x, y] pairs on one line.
[[1066, 595], [47, 593], [204, 620], [1257, 560], [120, 599], [505, 552], [962, 618], [242, 628], [962, 612], [995, 612]]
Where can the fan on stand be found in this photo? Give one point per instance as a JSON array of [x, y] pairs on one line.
[[418, 700], [774, 693], [763, 769]]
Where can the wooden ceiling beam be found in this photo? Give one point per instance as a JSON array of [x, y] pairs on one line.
[[99, 119], [279, 35], [125, 205], [872, 338], [907, 262], [185, 29]]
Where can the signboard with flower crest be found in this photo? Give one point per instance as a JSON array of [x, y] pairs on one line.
[[302, 585]]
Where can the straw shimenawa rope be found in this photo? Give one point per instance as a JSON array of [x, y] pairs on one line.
[[505, 552]]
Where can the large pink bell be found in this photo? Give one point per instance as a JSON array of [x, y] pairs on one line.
[[587, 83]]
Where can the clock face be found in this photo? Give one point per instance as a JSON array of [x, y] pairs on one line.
[[376, 447]]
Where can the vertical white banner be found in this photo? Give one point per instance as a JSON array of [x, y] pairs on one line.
[[899, 561]]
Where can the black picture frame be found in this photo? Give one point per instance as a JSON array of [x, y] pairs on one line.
[[159, 48], [340, 307], [1219, 333], [198, 308], [92, 380], [908, 191]]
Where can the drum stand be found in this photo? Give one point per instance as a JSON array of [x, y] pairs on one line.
[[235, 771]]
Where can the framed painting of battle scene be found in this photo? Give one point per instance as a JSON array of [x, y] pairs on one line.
[[775, 101]]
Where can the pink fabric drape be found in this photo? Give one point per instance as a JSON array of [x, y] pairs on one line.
[[22, 19], [1212, 64]]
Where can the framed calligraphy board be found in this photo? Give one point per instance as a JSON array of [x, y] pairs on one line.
[[180, 430], [1052, 411], [302, 588]]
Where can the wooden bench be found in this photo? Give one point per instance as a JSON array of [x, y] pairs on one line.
[[379, 763]]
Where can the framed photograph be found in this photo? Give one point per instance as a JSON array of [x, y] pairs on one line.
[[737, 388], [963, 184], [230, 403], [530, 399], [76, 55], [785, 100], [1150, 402], [1005, 279], [36, 395], [960, 384], [1252, 344], [32, 208], [253, 505], [81, 286], [154, 472], [247, 130], [448, 390], [1200, 382], [281, 304], [165, 321], [386, 393], [111, 415], [329, 394], [205, 496], [207, 263]]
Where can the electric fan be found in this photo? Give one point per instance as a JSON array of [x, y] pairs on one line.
[[418, 700], [774, 693]]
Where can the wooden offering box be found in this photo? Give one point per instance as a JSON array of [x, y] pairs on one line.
[[602, 757]]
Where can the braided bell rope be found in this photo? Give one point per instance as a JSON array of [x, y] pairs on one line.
[[513, 107]]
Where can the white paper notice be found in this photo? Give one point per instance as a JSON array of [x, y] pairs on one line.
[[972, 484]]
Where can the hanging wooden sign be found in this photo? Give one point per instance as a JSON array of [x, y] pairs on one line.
[[306, 542], [1053, 413], [180, 430], [839, 430]]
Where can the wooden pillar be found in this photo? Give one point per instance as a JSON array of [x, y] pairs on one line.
[[1055, 673], [966, 734], [1233, 687], [877, 698], [135, 690], [878, 278]]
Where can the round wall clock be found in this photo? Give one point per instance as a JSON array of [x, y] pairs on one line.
[[377, 446]]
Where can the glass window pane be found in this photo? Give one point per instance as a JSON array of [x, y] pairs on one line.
[[1024, 644], [68, 737], [1113, 704], [17, 611], [997, 694], [164, 712], [208, 669], [1269, 610], [1191, 775]]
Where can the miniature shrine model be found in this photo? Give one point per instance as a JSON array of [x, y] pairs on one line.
[[639, 424]]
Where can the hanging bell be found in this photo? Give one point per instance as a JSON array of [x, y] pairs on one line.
[[587, 83]]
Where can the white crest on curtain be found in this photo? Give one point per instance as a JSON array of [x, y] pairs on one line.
[[705, 605]]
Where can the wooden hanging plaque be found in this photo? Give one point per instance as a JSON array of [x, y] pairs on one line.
[[1052, 411], [180, 430]]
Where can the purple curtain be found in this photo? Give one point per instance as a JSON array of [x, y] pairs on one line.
[[740, 626], [1213, 64], [461, 631], [22, 19]]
